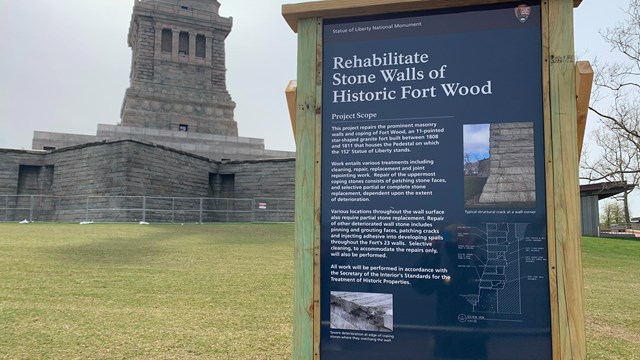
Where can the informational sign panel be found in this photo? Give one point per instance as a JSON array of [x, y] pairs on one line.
[[433, 207]]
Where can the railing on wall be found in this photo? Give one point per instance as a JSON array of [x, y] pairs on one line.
[[151, 209]]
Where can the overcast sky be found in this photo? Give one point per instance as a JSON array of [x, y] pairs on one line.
[[64, 64]]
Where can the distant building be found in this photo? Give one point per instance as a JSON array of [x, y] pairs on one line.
[[590, 195]]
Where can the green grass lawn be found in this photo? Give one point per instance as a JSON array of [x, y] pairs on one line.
[[612, 298], [145, 292], [212, 292]]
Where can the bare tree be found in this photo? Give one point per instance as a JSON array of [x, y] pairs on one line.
[[619, 163], [612, 213], [617, 103], [618, 83], [470, 166]]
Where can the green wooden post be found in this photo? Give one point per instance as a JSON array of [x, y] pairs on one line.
[[308, 120]]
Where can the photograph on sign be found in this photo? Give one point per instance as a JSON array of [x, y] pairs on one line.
[[499, 165], [361, 311], [433, 241]]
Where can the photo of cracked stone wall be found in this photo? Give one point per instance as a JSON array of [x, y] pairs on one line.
[[361, 311], [511, 170]]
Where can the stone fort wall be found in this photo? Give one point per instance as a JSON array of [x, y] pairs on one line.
[[217, 147], [511, 166], [131, 168]]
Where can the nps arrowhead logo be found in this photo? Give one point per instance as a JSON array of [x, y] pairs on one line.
[[523, 12]]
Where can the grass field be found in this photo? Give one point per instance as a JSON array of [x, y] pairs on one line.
[[612, 298], [145, 292], [211, 292]]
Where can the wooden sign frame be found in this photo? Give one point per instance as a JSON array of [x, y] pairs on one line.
[[561, 159]]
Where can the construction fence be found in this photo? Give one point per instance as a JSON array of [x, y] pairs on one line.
[[151, 209]]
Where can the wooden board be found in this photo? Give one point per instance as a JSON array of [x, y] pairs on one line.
[[330, 9], [290, 94], [548, 154], [584, 83]]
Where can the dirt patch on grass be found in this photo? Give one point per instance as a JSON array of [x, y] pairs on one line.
[[600, 328]]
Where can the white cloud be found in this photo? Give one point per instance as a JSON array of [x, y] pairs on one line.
[[476, 141]]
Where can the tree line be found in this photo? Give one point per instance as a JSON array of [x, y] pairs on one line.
[[614, 152]]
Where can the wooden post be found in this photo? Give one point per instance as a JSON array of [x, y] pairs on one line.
[[564, 191], [307, 217]]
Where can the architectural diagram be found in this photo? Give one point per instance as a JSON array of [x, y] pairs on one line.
[[499, 290]]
